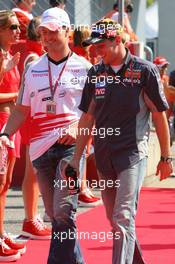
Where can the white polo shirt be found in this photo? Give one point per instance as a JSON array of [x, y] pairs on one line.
[[35, 92]]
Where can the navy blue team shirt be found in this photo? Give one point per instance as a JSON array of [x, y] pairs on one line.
[[121, 104]]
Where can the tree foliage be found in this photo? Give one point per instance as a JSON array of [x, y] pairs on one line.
[[150, 2]]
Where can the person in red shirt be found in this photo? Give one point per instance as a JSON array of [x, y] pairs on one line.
[[88, 52], [9, 85], [86, 197], [23, 11], [114, 15], [162, 63], [31, 46], [79, 35], [33, 226]]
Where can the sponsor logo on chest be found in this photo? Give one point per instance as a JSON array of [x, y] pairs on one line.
[[100, 90], [38, 74], [132, 76]]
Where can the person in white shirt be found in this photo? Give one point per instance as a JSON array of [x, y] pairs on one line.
[[51, 90]]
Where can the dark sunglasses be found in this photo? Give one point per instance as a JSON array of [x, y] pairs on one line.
[[14, 27]]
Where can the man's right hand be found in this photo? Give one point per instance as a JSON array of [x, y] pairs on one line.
[[75, 164]]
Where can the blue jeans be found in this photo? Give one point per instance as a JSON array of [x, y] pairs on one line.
[[59, 205], [121, 207]]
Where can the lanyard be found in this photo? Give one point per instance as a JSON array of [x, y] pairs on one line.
[[53, 89]]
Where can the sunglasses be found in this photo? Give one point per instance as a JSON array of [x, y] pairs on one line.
[[14, 27]]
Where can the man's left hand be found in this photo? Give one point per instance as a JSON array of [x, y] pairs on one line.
[[164, 169]]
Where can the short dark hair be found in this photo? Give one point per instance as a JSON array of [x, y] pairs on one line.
[[55, 3], [115, 6], [17, 1], [128, 6]]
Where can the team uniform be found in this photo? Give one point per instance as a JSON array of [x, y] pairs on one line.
[[35, 93], [126, 104], [122, 107], [45, 152]]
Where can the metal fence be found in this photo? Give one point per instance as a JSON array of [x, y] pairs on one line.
[[80, 11]]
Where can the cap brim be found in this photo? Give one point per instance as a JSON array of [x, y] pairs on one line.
[[50, 25], [91, 41]]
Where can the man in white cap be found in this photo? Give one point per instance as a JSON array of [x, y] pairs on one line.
[[51, 89]]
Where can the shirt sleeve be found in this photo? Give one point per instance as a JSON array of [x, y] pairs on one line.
[[153, 91], [24, 92], [88, 91]]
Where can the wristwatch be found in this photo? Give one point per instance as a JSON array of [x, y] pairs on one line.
[[4, 134], [166, 159]]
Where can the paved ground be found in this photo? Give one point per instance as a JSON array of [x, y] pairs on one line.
[[15, 211]]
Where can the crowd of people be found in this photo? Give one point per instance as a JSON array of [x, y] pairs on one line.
[[48, 96]]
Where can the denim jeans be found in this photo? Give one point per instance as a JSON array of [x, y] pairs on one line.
[[121, 207], [59, 205]]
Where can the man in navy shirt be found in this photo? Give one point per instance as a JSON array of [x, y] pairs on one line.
[[119, 94]]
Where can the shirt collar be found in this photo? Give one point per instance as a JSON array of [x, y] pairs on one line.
[[128, 57], [127, 60]]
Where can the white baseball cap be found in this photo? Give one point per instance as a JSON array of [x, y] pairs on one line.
[[54, 18]]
